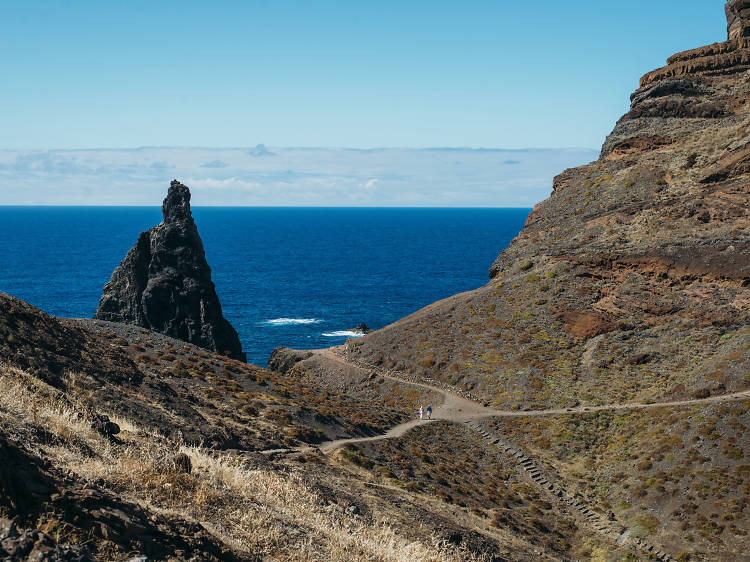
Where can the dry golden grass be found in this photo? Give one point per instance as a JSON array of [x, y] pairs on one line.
[[256, 512]]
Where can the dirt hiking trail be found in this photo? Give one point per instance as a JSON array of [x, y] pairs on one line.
[[457, 408]]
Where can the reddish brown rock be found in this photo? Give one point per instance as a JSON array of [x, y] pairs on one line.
[[738, 16], [586, 324]]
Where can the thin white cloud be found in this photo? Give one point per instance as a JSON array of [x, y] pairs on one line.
[[286, 176], [212, 184], [215, 164]]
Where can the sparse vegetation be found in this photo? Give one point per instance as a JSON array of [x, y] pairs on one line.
[[250, 510]]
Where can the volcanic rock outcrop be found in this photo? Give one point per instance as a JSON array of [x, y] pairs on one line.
[[632, 281], [164, 283], [738, 14]]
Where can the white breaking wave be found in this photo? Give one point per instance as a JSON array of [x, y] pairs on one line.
[[343, 334], [291, 321]]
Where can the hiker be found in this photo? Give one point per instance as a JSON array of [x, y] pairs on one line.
[[429, 412], [421, 413]]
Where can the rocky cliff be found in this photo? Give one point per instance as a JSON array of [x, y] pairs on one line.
[[629, 285], [632, 281], [738, 14], [164, 283]]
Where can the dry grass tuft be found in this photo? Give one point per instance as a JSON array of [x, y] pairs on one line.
[[256, 512]]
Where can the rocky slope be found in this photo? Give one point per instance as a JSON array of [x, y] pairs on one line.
[[164, 283], [632, 281], [174, 387], [116, 441]]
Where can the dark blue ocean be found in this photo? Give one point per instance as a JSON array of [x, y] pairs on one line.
[[299, 277]]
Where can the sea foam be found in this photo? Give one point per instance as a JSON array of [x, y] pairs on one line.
[[343, 334], [291, 321]]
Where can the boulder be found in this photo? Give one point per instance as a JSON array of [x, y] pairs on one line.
[[182, 463], [24, 544], [104, 426]]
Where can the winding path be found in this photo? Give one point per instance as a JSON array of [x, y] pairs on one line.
[[456, 408], [460, 409]]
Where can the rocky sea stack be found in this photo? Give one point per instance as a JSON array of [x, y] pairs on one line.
[[164, 283]]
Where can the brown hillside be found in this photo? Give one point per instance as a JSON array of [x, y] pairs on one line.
[[116, 442], [587, 400], [632, 281], [174, 387]]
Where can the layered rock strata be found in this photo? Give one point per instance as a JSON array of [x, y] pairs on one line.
[[164, 283], [738, 15]]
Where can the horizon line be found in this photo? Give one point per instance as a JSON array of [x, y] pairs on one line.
[[301, 147], [156, 206]]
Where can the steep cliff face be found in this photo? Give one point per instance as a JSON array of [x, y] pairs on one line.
[[632, 281], [164, 283], [738, 15]]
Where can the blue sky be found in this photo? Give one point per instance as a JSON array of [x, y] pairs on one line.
[[354, 73]]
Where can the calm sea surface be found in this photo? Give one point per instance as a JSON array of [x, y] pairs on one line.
[[298, 277]]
